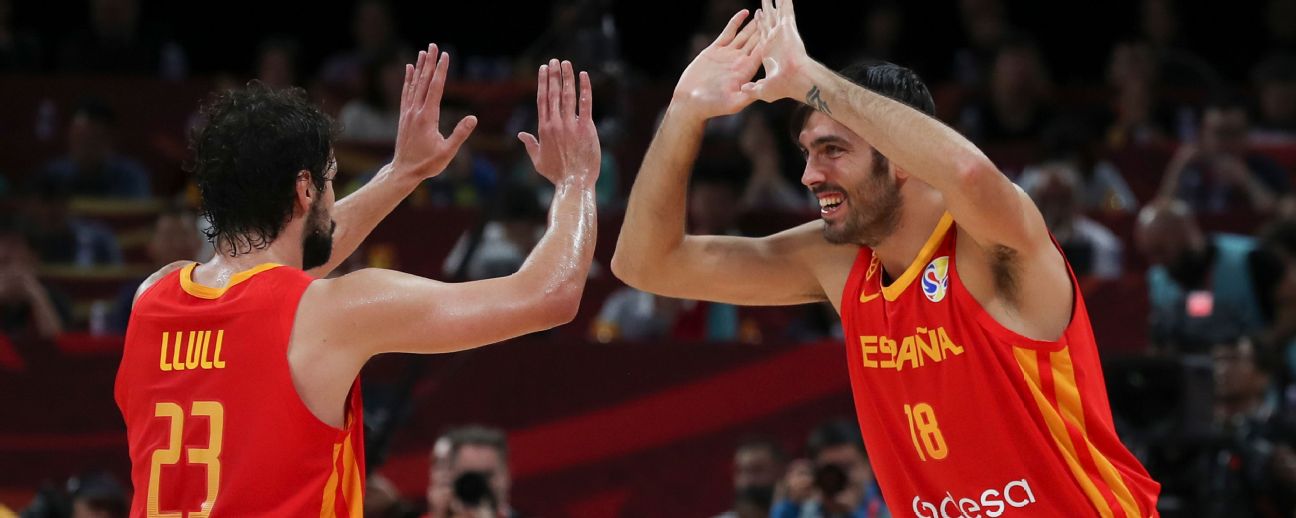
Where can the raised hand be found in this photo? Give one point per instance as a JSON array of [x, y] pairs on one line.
[[711, 86], [421, 150], [783, 55], [568, 147]]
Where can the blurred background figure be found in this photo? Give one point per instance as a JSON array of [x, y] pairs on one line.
[[1203, 288], [470, 474], [1220, 173], [92, 167], [842, 480], [175, 238], [28, 308], [758, 466]]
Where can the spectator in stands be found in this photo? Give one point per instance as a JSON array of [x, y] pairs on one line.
[[1139, 117], [20, 50], [1176, 67], [1091, 248], [1219, 173], [476, 451], [1015, 107], [28, 308], [92, 167], [1202, 289], [1279, 238], [116, 43], [767, 188], [516, 225], [583, 30], [986, 25], [98, 495], [630, 314], [843, 480], [758, 465], [1070, 142], [175, 238], [470, 181], [383, 500], [1252, 468], [373, 116], [1275, 81], [61, 237], [276, 64], [373, 30]]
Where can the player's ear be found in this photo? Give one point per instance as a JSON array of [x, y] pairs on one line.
[[304, 193]]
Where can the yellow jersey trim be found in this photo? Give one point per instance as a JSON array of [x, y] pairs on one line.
[[207, 292], [894, 290]]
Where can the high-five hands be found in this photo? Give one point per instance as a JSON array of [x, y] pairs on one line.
[[568, 147], [421, 150]]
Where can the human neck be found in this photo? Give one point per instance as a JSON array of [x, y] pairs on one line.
[[225, 264], [919, 215]]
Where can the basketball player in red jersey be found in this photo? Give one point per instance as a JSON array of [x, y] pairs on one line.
[[238, 383], [976, 379]]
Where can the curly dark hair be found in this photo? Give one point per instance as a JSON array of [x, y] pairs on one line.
[[247, 153]]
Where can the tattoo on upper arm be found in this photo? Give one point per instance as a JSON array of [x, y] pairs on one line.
[[815, 99]]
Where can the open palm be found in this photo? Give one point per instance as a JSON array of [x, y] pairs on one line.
[[711, 86]]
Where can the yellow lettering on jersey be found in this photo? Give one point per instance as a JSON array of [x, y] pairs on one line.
[[176, 364], [198, 353], [946, 344], [162, 361], [868, 345], [217, 362], [907, 354], [929, 349], [193, 349], [206, 363], [887, 347], [925, 346]]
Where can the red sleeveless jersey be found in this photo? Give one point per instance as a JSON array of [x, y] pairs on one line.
[[965, 418], [214, 422]]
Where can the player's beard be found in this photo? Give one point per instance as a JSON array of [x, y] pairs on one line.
[[868, 221], [317, 239]]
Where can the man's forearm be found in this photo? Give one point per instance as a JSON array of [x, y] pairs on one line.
[[560, 262], [358, 214], [918, 143], [655, 216]]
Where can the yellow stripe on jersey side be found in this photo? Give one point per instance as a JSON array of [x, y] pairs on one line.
[[328, 508], [1057, 428], [1068, 398]]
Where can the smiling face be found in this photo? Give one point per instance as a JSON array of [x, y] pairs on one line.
[[859, 197]]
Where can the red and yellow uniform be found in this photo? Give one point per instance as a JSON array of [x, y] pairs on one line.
[[214, 422], [965, 418]]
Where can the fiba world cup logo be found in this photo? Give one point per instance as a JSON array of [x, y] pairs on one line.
[[935, 279]]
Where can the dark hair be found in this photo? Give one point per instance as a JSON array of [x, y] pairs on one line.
[[889, 79], [477, 435], [838, 432], [96, 110], [247, 154]]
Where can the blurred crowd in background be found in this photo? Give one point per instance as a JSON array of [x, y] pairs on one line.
[[1158, 138]]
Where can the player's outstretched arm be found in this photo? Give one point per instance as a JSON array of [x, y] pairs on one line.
[[386, 311], [653, 252], [421, 153], [984, 202]]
